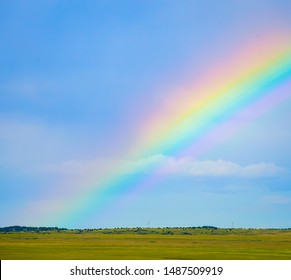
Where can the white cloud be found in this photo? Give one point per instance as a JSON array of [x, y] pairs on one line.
[[165, 165], [215, 168], [278, 199]]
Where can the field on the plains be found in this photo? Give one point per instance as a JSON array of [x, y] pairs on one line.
[[148, 244]]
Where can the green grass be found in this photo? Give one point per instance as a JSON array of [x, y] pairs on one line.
[[148, 244]]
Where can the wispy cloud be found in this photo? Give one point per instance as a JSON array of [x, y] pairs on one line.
[[214, 168], [166, 165], [278, 199], [26, 142]]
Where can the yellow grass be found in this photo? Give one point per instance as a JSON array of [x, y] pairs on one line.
[[151, 244]]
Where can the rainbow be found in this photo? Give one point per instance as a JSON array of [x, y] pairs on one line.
[[239, 82], [217, 97]]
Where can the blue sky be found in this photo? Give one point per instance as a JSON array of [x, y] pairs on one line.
[[78, 79]]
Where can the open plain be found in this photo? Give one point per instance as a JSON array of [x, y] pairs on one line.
[[147, 244]]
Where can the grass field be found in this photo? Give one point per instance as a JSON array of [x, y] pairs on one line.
[[148, 244]]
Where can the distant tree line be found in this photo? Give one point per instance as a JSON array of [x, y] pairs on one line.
[[24, 228], [138, 230], [210, 227]]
